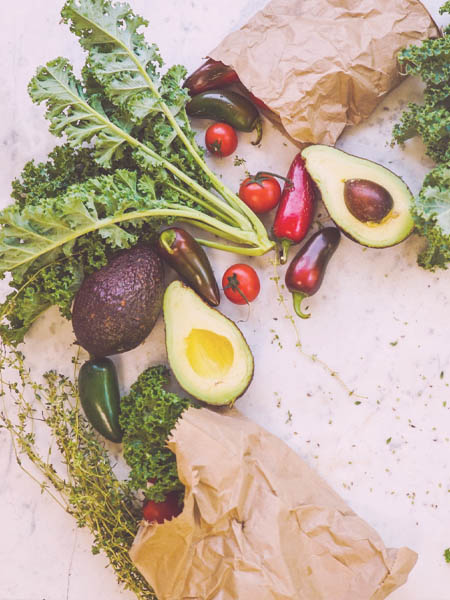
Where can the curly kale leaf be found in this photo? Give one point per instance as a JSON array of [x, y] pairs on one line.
[[431, 212], [72, 112], [133, 117], [148, 415], [63, 168], [41, 233], [431, 62], [51, 245], [431, 121]]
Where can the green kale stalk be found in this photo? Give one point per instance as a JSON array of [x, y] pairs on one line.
[[143, 168], [431, 121]]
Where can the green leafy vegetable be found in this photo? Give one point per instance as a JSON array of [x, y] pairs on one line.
[[431, 212], [447, 555], [431, 120], [148, 415], [78, 475], [63, 168], [51, 245], [65, 223]]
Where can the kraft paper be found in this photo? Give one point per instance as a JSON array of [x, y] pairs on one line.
[[259, 524], [320, 65]]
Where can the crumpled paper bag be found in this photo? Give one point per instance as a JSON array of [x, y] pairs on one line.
[[320, 65], [259, 524]]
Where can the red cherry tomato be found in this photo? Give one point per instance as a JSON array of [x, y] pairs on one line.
[[241, 284], [162, 511], [261, 193], [221, 139]]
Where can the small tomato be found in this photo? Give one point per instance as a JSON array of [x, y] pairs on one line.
[[221, 139], [241, 284], [162, 511], [261, 193]]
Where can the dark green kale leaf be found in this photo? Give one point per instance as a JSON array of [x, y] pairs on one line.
[[431, 121], [133, 117], [53, 243], [148, 415], [64, 167], [431, 212]]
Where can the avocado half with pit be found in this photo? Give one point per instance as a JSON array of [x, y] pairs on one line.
[[207, 352], [369, 203]]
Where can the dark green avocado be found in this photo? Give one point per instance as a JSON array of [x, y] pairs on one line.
[[116, 307]]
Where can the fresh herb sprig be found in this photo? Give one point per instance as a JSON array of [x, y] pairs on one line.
[[148, 415], [79, 476], [431, 121]]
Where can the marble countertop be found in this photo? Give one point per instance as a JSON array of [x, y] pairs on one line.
[[379, 321]]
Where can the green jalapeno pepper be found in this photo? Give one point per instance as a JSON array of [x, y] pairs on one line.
[[185, 255], [100, 397], [229, 107]]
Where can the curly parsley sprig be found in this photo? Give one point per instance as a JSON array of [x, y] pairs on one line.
[[148, 414]]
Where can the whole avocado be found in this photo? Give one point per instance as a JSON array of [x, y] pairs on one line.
[[117, 306]]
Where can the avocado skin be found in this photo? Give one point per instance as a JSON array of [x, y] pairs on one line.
[[116, 307]]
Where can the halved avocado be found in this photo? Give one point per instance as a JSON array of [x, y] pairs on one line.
[[367, 201], [207, 352]]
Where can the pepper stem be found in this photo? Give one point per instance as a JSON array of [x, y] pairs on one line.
[[167, 238], [285, 245], [298, 297], [259, 132]]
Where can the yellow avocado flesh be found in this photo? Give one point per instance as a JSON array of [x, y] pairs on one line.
[[207, 352], [330, 168]]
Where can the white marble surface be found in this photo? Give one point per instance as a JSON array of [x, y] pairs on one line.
[[379, 320]]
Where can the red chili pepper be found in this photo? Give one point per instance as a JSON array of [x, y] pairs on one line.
[[296, 209], [305, 273], [211, 75]]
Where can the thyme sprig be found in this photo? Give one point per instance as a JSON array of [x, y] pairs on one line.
[[79, 476]]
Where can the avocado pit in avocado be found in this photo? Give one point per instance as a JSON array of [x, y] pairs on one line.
[[367, 201]]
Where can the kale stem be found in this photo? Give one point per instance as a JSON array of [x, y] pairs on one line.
[[178, 211], [214, 230], [222, 212], [260, 250], [135, 143]]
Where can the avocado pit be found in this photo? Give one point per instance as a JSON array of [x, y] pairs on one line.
[[367, 201]]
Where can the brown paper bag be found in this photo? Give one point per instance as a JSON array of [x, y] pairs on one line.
[[320, 65], [259, 524]]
